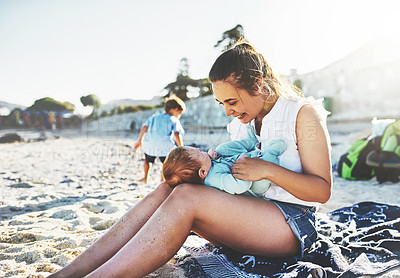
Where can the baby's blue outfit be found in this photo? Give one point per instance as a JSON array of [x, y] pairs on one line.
[[220, 175], [159, 139]]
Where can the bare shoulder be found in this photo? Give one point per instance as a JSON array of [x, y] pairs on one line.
[[310, 124], [308, 113]]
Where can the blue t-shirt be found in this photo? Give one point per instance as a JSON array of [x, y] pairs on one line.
[[159, 139]]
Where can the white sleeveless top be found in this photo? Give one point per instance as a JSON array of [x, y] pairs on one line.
[[280, 123]]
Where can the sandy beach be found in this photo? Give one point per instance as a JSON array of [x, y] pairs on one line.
[[58, 195]]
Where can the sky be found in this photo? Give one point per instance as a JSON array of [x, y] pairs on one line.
[[120, 49]]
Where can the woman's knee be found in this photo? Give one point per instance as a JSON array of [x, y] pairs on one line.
[[186, 194], [184, 190]]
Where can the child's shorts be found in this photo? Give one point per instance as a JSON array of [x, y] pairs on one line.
[[151, 159], [301, 220]]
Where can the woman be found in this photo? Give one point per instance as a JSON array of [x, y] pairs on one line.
[[280, 224]]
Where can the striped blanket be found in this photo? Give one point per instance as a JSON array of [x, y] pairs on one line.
[[363, 239]]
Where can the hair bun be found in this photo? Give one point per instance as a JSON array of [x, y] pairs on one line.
[[244, 45]]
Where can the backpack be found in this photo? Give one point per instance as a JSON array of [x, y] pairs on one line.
[[352, 165], [385, 160]]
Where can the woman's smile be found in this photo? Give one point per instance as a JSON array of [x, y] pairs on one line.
[[237, 102], [241, 116]]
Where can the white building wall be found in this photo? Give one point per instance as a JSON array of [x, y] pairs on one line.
[[201, 113]]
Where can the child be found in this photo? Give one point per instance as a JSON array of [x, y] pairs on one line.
[[190, 165], [160, 133]]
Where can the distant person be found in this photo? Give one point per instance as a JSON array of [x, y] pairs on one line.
[[39, 121], [51, 121], [191, 165], [44, 122], [161, 133], [59, 121], [26, 119], [133, 125], [17, 118]]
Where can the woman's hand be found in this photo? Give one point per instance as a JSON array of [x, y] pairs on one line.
[[249, 169]]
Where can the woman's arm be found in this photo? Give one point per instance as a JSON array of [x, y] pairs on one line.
[[314, 184]]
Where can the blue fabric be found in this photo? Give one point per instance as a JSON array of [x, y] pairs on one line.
[[363, 239], [159, 139], [220, 175], [245, 145]]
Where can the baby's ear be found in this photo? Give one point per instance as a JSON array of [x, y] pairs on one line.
[[203, 173]]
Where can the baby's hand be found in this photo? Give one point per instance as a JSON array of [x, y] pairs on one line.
[[213, 153]]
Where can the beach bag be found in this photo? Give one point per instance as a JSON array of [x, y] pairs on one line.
[[385, 160], [352, 165]]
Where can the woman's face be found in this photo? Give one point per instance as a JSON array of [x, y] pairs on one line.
[[238, 102]]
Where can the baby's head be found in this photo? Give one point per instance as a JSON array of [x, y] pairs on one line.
[[186, 165]]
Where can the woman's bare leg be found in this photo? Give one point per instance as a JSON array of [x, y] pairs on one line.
[[243, 223], [117, 236]]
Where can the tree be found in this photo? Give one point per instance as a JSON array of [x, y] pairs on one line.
[[184, 67], [205, 87], [91, 100], [231, 36], [104, 114], [50, 104], [180, 87]]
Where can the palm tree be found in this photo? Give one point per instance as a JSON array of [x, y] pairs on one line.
[[231, 36], [91, 100]]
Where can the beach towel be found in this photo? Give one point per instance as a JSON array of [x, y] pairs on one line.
[[363, 239]]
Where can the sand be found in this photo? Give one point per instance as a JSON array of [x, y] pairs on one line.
[[57, 196]]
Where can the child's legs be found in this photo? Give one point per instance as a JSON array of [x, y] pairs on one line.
[[147, 165], [146, 169], [162, 159]]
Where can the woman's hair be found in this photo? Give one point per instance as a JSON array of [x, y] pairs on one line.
[[248, 69], [179, 167], [174, 102]]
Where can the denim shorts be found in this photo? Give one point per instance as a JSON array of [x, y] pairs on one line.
[[301, 220]]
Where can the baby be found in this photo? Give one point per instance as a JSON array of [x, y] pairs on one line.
[[191, 165]]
